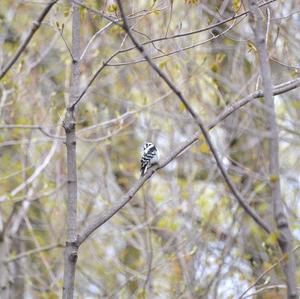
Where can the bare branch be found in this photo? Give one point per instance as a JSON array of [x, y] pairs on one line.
[[60, 31], [262, 289], [93, 38], [35, 26], [32, 252], [37, 172], [104, 64], [284, 257], [104, 217]]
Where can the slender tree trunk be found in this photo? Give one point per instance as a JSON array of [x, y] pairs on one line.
[[285, 239], [4, 277], [70, 126], [18, 282]]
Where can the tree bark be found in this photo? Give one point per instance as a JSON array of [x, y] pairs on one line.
[[4, 277], [285, 238], [70, 129], [18, 282]]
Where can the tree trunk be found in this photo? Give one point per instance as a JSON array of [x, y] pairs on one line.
[[70, 127], [18, 282], [285, 237], [4, 277]]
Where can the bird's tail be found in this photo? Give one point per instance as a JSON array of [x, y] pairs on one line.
[[143, 170]]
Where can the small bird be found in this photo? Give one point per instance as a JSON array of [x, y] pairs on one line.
[[150, 157]]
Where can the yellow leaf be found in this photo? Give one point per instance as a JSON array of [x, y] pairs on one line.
[[167, 224], [214, 67], [191, 1], [295, 104], [220, 57], [251, 47], [273, 238], [159, 198], [259, 187], [66, 12], [181, 107], [273, 178], [236, 4], [112, 8], [204, 148], [236, 179], [163, 64]]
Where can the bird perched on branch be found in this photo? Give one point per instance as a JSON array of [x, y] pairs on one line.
[[150, 157]]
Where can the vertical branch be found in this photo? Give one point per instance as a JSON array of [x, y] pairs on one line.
[[285, 238], [147, 288], [4, 277], [69, 125]]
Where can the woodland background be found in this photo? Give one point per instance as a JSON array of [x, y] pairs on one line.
[[183, 234]]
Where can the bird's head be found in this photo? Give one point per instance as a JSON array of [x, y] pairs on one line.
[[146, 145]]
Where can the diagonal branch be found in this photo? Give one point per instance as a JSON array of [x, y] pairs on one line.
[[35, 26], [103, 217], [199, 122], [32, 252], [282, 259]]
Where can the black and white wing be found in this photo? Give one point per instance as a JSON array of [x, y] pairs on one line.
[[150, 156]]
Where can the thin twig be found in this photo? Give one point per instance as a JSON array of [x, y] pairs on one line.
[[235, 16], [37, 172], [60, 30], [175, 51], [283, 257], [33, 251], [93, 37], [266, 288]]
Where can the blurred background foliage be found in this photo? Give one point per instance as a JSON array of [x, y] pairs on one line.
[[183, 235]]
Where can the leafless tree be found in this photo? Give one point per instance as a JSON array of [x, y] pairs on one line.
[[214, 85]]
